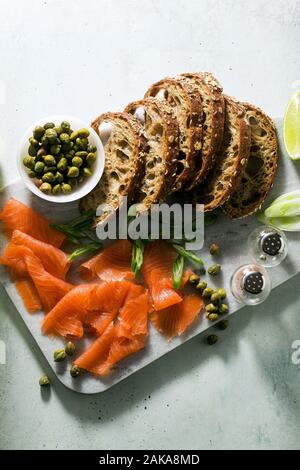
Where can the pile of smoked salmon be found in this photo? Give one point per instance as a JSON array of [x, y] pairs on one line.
[[110, 304]]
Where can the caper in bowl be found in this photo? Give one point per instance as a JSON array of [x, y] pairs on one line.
[[61, 159]]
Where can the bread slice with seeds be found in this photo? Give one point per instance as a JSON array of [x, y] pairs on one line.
[[259, 173], [230, 160], [212, 121], [162, 134], [186, 102], [124, 145]]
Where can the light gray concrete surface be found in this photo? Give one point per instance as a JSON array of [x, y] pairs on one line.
[[85, 57]]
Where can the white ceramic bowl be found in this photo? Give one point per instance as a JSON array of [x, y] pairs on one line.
[[87, 185]]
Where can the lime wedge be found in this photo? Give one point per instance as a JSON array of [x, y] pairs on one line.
[[291, 127]]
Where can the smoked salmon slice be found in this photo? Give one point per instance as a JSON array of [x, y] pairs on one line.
[[113, 263], [175, 320], [133, 317], [17, 216], [29, 295], [92, 304], [159, 257], [54, 260], [50, 288], [107, 350], [13, 256], [66, 318]]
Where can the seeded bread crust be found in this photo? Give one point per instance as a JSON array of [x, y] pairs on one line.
[[186, 102], [230, 160], [162, 133], [124, 163], [212, 123], [258, 176]]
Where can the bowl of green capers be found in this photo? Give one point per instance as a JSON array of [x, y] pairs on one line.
[[61, 159]]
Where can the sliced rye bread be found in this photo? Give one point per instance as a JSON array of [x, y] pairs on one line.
[[258, 175], [162, 133], [230, 160], [212, 120], [186, 102], [124, 145]]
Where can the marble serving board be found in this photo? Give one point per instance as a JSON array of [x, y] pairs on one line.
[[230, 235]]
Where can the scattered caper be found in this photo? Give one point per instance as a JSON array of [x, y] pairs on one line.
[[44, 381], [214, 249], [58, 130], [41, 153], [223, 324], [207, 293], [214, 269], [58, 177], [212, 339], [222, 293], [91, 149], [82, 143], [56, 189], [34, 142], [51, 135], [48, 177], [74, 135], [211, 308], [32, 151], [32, 174], [49, 125], [91, 158], [83, 133], [73, 172], [64, 138], [75, 371], [46, 188], [49, 160], [65, 126], [87, 172], [77, 161], [81, 154], [62, 164], [213, 316], [70, 348], [29, 162], [201, 286], [66, 188], [59, 355], [38, 132], [215, 297], [44, 141], [55, 149], [194, 279], [39, 167], [223, 309]]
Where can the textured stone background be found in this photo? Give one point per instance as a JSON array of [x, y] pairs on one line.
[[85, 57]]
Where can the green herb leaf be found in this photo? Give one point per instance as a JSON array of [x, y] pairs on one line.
[[137, 256], [188, 254], [177, 271], [91, 248]]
